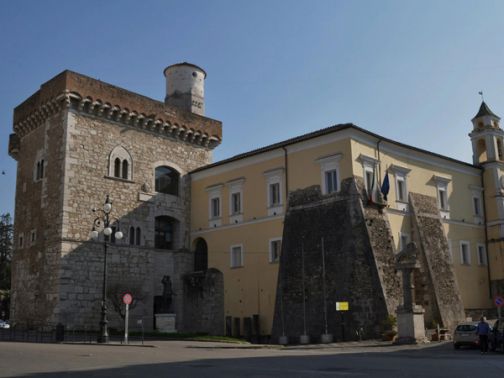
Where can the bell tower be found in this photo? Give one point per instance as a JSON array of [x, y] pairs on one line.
[[486, 136], [487, 143]]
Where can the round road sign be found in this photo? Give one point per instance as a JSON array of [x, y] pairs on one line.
[[127, 298], [499, 300]]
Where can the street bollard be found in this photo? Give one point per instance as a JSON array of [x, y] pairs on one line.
[[60, 333]]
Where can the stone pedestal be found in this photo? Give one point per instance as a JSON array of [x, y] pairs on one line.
[[410, 326], [166, 323], [326, 338], [304, 339], [410, 317], [283, 340]]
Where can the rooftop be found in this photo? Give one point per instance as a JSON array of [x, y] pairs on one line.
[[321, 132], [484, 110]]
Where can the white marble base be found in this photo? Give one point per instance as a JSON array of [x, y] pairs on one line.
[[166, 323], [410, 326]]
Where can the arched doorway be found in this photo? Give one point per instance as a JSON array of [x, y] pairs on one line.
[[200, 255]]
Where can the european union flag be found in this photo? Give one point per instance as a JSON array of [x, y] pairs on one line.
[[385, 188]]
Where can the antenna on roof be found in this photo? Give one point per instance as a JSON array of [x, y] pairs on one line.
[[481, 94]]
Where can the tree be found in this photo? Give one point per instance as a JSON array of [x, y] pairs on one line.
[[6, 235], [116, 290]]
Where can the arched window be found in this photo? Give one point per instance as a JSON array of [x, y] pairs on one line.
[[117, 167], [120, 164], [164, 232], [481, 152], [138, 236], [132, 235], [125, 169], [167, 180], [200, 255]]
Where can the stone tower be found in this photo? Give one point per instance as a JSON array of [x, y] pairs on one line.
[[77, 140], [185, 87], [487, 143]]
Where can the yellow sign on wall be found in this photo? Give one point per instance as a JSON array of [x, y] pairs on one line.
[[342, 306]]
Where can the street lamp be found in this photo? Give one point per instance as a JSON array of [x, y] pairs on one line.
[[102, 222]]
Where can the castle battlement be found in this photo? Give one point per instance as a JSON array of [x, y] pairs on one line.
[[97, 98]]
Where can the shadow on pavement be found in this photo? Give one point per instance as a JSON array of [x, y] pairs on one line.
[[432, 361]]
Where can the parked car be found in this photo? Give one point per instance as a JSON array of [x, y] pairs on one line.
[[465, 335], [4, 324], [496, 339]]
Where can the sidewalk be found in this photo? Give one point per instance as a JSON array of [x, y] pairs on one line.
[[350, 345]]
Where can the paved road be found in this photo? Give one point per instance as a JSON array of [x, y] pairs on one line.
[[191, 359]]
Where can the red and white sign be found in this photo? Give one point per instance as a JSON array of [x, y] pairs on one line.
[[127, 298]]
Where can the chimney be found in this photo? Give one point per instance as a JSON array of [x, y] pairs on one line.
[[185, 87]]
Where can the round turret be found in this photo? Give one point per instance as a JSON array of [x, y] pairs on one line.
[[185, 87]]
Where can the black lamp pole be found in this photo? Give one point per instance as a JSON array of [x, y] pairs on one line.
[[104, 336], [103, 222]]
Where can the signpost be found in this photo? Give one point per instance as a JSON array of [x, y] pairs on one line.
[[127, 299], [499, 302], [341, 307]]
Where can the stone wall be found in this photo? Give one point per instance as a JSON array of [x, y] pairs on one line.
[[204, 302], [35, 264], [89, 143], [137, 270], [382, 246], [436, 285], [354, 268], [58, 278]]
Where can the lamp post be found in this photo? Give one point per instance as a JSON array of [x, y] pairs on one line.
[[102, 222]]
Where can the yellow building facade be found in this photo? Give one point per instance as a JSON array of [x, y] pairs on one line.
[[238, 207]]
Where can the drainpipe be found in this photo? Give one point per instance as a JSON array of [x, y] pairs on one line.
[[486, 233], [286, 165]]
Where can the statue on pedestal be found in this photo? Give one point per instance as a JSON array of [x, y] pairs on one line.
[[410, 316], [166, 302], [165, 318]]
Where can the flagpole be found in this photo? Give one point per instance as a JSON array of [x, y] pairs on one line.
[[379, 162]]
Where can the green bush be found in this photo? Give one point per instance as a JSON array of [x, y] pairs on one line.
[[389, 323]]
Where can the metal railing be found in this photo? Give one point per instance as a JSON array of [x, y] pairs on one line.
[[68, 336]]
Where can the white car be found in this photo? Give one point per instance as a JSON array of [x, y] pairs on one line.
[[4, 324], [465, 335]]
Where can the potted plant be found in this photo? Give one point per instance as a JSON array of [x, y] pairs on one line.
[[389, 328]]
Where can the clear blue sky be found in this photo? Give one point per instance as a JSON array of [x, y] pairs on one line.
[[408, 70]]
